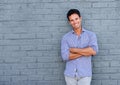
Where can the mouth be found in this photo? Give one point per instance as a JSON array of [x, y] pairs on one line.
[[75, 25]]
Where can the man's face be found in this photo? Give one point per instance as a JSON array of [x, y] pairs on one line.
[[75, 21]]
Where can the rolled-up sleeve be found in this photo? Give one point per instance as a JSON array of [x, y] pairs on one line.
[[93, 42], [64, 49]]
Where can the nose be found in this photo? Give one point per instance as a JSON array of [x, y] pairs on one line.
[[74, 21]]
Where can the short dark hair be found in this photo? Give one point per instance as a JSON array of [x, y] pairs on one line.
[[73, 11]]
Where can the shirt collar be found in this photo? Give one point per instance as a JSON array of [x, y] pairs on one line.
[[83, 30]]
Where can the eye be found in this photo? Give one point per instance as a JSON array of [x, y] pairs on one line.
[[71, 20], [76, 18]]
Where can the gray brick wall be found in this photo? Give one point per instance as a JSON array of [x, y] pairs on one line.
[[30, 34]]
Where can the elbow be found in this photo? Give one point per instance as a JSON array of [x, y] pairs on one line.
[[65, 58], [94, 53]]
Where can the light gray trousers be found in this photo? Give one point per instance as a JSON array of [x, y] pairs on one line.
[[77, 81]]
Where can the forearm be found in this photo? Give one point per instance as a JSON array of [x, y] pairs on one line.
[[74, 56], [83, 51]]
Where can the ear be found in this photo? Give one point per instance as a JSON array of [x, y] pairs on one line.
[[81, 18], [69, 22]]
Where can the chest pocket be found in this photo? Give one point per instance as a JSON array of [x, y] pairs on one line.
[[72, 43], [84, 41]]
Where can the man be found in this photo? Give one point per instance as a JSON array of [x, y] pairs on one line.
[[77, 48]]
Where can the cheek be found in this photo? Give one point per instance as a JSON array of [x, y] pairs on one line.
[[71, 23], [79, 22]]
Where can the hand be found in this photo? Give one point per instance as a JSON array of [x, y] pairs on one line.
[[73, 50]]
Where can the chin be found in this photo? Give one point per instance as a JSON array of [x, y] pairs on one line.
[[77, 27]]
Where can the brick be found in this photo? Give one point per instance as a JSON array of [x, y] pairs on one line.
[[2, 73], [46, 59], [105, 70], [115, 63], [115, 76], [4, 83], [28, 60], [116, 51], [35, 78], [18, 78], [5, 66], [11, 72], [43, 36], [50, 82], [18, 66], [13, 1], [5, 78], [44, 72], [11, 36], [100, 77], [27, 47], [11, 60], [27, 36], [34, 54], [101, 0], [98, 4], [105, 4], [34, 66], [28, 72], [109, 82], [100, 64], [39, 1], [22, 82], [96, 82]]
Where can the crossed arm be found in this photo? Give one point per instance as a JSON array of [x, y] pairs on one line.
[[78, 52]]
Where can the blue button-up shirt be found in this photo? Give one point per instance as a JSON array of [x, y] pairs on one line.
[[80, 67]]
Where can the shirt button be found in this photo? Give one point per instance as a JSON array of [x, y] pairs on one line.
[[75, 69]]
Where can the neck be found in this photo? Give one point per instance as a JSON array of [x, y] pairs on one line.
[[78, 31]]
